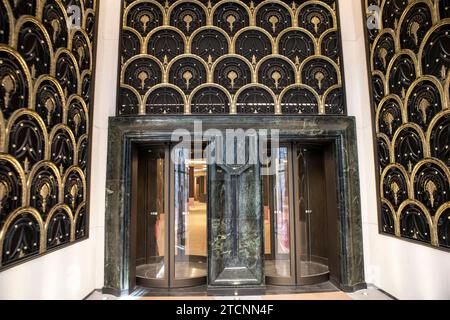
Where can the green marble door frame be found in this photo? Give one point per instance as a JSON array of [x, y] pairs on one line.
[[126, 132], [235, 224]]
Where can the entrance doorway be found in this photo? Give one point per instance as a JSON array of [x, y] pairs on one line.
[[336, 136], [299, 210], [172, 202]]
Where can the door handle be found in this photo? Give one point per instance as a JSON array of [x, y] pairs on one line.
[[153, 213], [308, 211]]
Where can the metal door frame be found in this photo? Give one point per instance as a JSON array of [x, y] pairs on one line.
[[173, 282], [291, 280], [305, 280], [295, 253], [164, 282]]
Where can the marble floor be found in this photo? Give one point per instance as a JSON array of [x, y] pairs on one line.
[[281, 268], [183, 270], [324, 291]]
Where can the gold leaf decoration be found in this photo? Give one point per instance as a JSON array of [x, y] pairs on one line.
[[232, 76], [319, 76], [276, 76], [4, 191], [315, 21], [188, 20], [382, 54], [73, 193], [389, 119], [56, 28], [423, 107], [231, 19], [77, 122], [45, 192], [9, 86], [145, 19], [274, 21], [395, 189], [430, 188], [50, 105], [187, 76], [415, 26], [142, 76]]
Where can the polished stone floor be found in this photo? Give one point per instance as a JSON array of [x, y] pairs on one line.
[[194, 269], [281, 268], [183, 270], [323, 291]]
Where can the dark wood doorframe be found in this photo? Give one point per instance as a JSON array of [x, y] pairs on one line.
[[124, 132]]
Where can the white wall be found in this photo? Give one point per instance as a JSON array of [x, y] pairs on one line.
[[74, 272], [403, 269]]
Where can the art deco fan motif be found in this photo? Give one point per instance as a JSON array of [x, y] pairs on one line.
[[216, 57], [410, 63], [45, 77]]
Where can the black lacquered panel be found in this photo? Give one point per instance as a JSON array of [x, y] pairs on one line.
[[46, 68], [410, 63], [231, 57]]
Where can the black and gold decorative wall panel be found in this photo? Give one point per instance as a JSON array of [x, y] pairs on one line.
[[230, 57], [410, 66], [46, 67]]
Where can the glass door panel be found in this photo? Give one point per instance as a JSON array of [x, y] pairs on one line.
[[282, 216], [278, 211], [268, 217], [313, 250], [171, 234], [151, 257], [189, 217], [295, 217]]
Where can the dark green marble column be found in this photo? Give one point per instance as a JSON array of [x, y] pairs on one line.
[[236, 225]]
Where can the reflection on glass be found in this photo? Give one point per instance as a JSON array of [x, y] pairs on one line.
[[313, 214], [190, 216], [276, 218], [151, 215]]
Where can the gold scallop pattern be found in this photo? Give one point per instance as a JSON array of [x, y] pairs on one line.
[[45, 92], [230, 56], [410, 65]]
